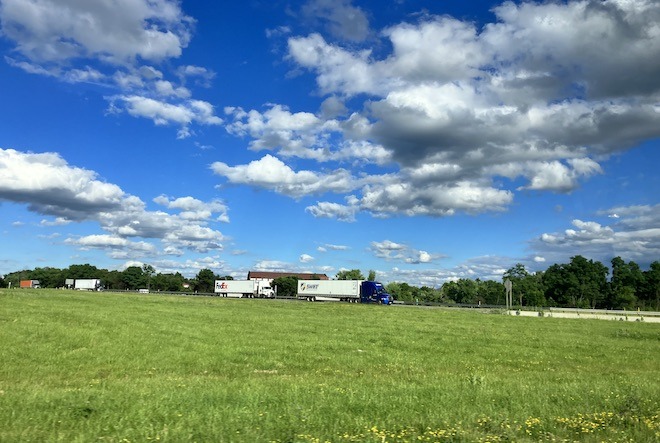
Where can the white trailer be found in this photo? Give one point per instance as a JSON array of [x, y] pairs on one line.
[[354, 291], [343, 290], [87, 284], [236, 288], [244, 288]]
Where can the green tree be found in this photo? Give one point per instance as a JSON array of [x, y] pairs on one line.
[[527, 288], [432, 295], [82, 271], [650, 294], [556, 282], [113, 280], [582, 283], [626, 284], [133, 278], [167, 282], [286, 286], [13, 279], [490, 292], [372, 275], [148, 271], [353, 274], [48, 277], [591, 276], [394, 289], [462, 290], [205, 281]]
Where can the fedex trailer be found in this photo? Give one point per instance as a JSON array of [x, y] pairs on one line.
[[243, 288], [354, 291]]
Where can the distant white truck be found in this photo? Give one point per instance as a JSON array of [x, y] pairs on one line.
[[244, 288], [87, 284]]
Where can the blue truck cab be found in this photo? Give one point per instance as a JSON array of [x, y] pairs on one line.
[[374, 292]]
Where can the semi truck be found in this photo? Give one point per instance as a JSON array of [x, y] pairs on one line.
[[87, 284], [244, 288], [354, 291], [34, 284]]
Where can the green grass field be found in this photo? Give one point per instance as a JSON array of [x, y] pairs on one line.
[[104, 367]]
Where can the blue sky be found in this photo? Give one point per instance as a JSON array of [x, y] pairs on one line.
[[425, 140]]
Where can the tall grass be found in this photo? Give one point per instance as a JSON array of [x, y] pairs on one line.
[[118, 368]]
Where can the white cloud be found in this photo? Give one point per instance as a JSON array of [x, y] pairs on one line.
[[338, 70], [164, 113], [120, 247], [556, 176], [634, 235], [59, 221], [342, 19], [49, 186], [433, 200], [119, 32], [344, 213], [484, 268], [306, 258], [390, 250], [194, 209], [201, 76], [271, 173], [335, 247], [168, 89], [544, 93], [306, 135], [110, 44]]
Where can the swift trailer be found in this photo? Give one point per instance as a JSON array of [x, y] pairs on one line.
[[87, 284], [353, 291], [244, 289]]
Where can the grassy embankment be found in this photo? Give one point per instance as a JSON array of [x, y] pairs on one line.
[[83, 367]]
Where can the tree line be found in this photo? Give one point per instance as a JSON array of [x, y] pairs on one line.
[[131, 278], [581, 283]]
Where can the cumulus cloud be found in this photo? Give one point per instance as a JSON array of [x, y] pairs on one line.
[[320, 137], [271, 173], [484, 268], [200, 75], [390, 250], [49, 186], [543, 94], [306, 258], [163, 113], [340, 212], [51, 30], [342, 19], [116, 45], [117, 247], [634, 234], [331, 247], [194, 209]]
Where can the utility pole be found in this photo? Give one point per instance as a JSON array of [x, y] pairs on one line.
[[509, 293]]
